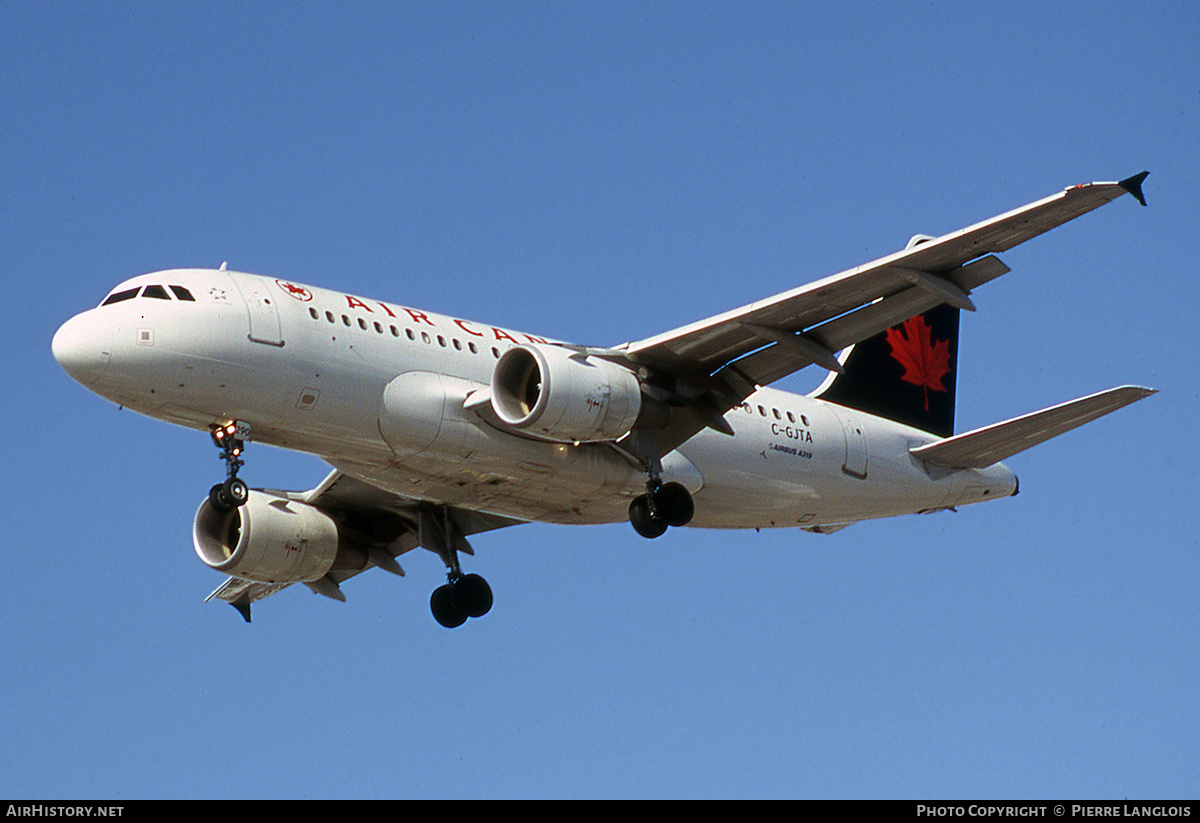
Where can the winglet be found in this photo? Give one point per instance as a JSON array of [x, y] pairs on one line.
[[242, 604], [1133, 185]]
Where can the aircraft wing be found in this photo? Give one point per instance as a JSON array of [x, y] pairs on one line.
[[382, 524], [727, 357]]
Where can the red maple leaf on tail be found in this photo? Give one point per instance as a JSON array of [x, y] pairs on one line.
[[925, 362]]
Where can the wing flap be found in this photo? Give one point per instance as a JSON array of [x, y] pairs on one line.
[[767, 365], [991, 444]]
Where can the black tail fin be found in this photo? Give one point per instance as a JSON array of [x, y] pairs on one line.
[[906, 373]]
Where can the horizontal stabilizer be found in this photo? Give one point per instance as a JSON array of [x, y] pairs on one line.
[[991, 444]]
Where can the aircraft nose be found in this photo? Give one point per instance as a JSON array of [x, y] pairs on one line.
[[81, 347]]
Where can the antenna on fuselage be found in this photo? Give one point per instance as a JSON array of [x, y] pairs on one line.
[[223, 265]]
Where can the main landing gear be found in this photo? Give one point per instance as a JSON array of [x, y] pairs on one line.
[[663, 505], [234, 492], [463, 595]]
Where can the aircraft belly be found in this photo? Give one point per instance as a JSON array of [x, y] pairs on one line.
[[524, 490]]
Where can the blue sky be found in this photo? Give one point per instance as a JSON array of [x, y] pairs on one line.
[[601, 172]]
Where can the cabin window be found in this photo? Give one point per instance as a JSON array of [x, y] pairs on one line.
[[313, 313]]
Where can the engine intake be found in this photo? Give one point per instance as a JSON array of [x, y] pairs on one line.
[[269, 539], [564, 396]]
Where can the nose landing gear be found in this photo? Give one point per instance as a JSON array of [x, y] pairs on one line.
[[234, 492]]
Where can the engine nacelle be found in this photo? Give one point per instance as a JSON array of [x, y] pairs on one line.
[[563, 396], [269, 539]]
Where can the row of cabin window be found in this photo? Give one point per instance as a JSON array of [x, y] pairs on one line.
[[778, 415], [362, 324], [155, 292]]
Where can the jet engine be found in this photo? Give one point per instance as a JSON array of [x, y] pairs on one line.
[[564, 396], [269, 539]]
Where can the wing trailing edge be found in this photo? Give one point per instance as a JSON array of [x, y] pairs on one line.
[[991, 444]]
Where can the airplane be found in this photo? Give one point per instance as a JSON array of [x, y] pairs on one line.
[[440, 428]]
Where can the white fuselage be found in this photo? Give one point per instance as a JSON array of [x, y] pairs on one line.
[[377, 390]]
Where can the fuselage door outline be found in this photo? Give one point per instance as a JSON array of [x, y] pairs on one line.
[[263, 310]]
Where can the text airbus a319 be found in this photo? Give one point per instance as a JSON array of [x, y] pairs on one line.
[[440, 428]]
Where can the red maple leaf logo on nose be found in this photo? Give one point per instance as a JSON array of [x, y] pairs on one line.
[[925, 362], [299, 292]]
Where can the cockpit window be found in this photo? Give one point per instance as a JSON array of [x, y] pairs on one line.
[[120, 296], [156, 292]]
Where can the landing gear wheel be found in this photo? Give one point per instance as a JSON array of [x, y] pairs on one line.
[[645, 522], [464, 596], [445, 609], [219, 499], [674, 504], [473, 594], [236, 491]]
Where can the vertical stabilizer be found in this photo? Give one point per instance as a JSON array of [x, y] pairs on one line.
[[906, 373]]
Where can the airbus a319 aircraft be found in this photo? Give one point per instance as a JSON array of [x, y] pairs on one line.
[[440, 428]]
